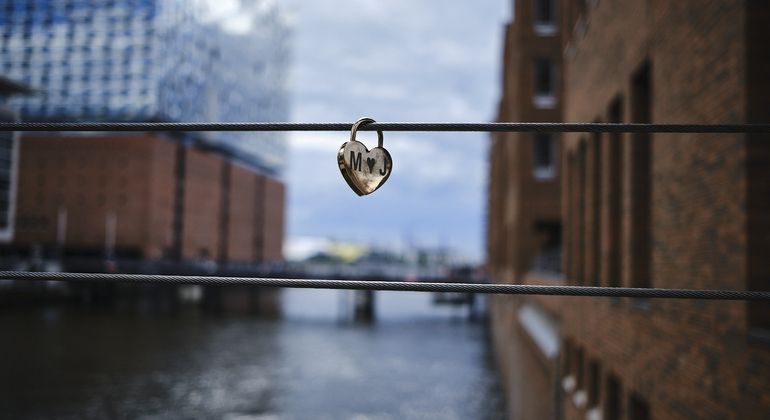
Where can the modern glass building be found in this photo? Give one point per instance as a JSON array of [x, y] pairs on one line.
[[9, 150], [149, 60]]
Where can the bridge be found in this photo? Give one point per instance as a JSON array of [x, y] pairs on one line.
[[363, 302]]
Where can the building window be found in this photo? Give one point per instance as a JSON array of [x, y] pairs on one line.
[[571, 235], [545, 83], [569, 383], [579, 368], [545, 20], [567, 358], [579, 219], [612, 402], [614, 167], [641, 180], [547, 258], [638, 409], [544, 157], [580, 398], [593, 209], [593, 383], [757, 173]]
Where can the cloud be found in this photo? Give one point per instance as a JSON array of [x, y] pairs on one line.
[[428, 162], [304, 141], [397, 60]]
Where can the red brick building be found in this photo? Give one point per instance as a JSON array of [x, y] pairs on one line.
[[146, 196], [656, 210], [525, 182]]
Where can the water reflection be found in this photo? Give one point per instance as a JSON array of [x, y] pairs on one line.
[[416, 361]]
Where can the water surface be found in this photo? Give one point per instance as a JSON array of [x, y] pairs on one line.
[[416, 361]]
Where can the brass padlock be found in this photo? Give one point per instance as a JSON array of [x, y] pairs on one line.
[[364, 170]]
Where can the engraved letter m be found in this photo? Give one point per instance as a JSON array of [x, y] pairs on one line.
[[355, 164]]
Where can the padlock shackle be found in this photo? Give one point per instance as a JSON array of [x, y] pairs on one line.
[[365, 120]]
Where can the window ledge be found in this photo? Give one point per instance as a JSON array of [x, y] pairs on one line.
[[545, 29], [580, 399], [594, 414], [543, 330], [568, 383], [544, 173], [544, 101]]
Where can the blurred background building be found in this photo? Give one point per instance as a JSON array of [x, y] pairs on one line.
[[196, 195], [686, 211], [150, 60], [525, 181], [8, 158], [142, 196]]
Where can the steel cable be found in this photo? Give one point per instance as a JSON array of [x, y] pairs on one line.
[[386, 285], [508, 289], [392, 126]]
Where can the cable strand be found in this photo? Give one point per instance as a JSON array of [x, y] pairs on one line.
[[509, 289], [392, 126]]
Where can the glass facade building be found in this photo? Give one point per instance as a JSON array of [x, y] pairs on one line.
[[150, 60]]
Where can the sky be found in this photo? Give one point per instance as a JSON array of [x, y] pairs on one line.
[[395, 61]]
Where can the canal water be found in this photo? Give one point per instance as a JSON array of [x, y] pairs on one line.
[[416, 361]]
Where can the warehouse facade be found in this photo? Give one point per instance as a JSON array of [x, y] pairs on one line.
[[686, 211], [144, 196]]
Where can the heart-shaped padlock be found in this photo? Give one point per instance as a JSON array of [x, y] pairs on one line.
[[364, 170]]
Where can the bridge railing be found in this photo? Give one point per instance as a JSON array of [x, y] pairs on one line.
[[389, 285]]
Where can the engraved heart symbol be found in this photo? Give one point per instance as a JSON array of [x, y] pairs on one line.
[[378, 162]]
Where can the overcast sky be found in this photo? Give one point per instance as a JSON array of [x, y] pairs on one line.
[[395, 61]]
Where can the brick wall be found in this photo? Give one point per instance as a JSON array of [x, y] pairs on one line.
[[202, 206], [273, 220], [161, 206], [88, 177], [521, 204], [672, 359], [241, 237], [133, 177], [522, 200], [661, 210]]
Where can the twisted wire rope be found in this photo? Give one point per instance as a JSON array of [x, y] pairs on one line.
[[389, 126], [483, 288], [389, 285]]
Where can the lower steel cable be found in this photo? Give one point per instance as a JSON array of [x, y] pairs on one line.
[[506, 289]]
